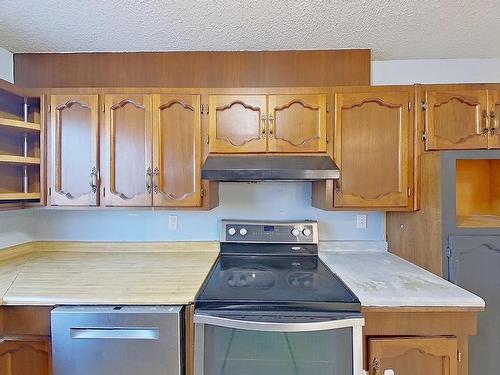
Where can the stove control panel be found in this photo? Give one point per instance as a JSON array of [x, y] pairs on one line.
[[269, 232]]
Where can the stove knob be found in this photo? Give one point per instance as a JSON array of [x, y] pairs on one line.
[[295, 232], [306, 232], [243, 231], [231, 231]]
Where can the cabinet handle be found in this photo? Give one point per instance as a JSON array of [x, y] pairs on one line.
[[338, 186], [149, 173], [155, 180], [486, 121], [263, 132], [375, 366], [494, 118], [93, 179], [271, 125]]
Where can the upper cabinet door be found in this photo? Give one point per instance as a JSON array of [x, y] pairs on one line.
[[74, 169], [456, 120], [237, 123], [373, 149], [177, 151], [494, 120], [129, 172], [297, 123]]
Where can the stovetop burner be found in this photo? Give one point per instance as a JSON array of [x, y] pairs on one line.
[[277, 271]]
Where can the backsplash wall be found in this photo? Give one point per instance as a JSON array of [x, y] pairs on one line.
[[257, 201]]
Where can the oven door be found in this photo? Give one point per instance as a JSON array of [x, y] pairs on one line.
[[271, 344]]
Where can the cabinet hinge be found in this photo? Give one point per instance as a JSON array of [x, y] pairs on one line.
[[410, 106], [424, 136], [448, 252], [424, 105], [202, 192], [327, 108], [459, 356]]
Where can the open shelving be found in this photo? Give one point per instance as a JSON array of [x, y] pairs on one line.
[[20, 152], [478, 193]]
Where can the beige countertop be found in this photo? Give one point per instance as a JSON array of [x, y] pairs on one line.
[[103, 273]]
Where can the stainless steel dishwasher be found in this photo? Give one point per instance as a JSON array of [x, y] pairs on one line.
[[117, 340]]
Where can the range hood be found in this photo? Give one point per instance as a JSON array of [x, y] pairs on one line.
[[269, 168]]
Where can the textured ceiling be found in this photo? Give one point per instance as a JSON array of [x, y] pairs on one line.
[[393, 29]]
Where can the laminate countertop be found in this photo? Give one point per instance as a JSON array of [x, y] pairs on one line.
[[381, 279], [132, 274]]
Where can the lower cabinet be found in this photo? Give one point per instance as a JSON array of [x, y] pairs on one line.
[[413, 355], [23, 357]]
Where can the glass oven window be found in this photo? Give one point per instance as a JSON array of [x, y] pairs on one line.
[[230, 351]]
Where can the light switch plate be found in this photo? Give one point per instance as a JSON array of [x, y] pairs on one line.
[[172, 222]]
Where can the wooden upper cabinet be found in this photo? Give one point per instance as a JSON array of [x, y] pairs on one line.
[[74, 168], [177, 150], [128, 141], [494, 119], [297, 123], [413, 356], [456, 119], [373, 148], [237, 123]]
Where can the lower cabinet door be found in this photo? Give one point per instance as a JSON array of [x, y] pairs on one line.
[[24, 357], [413, 356]]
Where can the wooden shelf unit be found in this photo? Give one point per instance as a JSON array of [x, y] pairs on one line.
[[20, 148], [478, 193], [21, 126], [21, 160]]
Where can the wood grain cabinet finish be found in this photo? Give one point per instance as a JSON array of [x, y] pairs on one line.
[[176, 151], [74, 168], [373, 149], [297, 123], [413, 356], [19, 357], [128, 158], [237, 123], [456, 119]]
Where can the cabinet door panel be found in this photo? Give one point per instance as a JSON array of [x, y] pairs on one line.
[[372, 149], [413, 356], [73, 150], [177, 148], [456, 120], [24, 357], [473, 265], [297, 123], [494, 137], [237, 123], [128, 150]]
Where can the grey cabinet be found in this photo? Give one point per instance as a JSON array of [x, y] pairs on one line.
[[474, 264]]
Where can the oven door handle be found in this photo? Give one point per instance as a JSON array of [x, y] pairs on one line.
[[250, 325]]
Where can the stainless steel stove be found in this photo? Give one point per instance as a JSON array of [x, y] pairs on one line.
[[271, 306]]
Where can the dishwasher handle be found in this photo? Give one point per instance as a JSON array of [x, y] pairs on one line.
[[115, 333]]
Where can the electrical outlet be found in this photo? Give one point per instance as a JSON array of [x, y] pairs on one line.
[[172, 222], [361, 221]]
